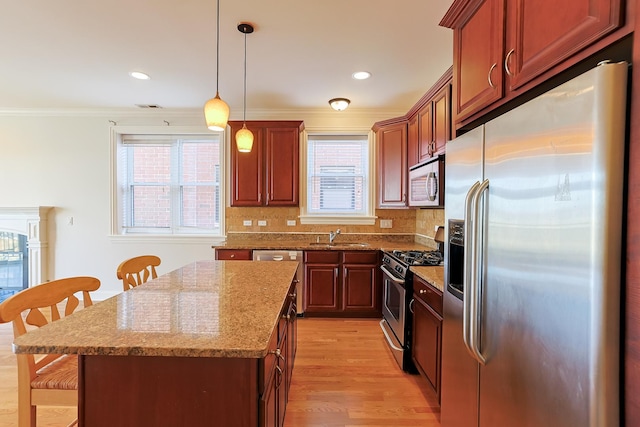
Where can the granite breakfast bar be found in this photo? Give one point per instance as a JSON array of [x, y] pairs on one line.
[[211, 343]]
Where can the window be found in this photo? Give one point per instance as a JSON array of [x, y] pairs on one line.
[[169, 184], [338, 182]]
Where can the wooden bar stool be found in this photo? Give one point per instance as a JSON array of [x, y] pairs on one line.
[[51, 380], [136, 271]]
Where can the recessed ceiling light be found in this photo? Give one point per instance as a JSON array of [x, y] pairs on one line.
[[139, 75], [361, 75]]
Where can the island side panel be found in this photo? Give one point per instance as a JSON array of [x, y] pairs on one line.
[[167, 391]]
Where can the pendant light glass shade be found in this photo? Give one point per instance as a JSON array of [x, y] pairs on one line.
[[216, 113], [244, 139]]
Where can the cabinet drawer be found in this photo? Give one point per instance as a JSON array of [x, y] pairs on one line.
[[233, 254], [322, 257], [360, 257], [427, 293]]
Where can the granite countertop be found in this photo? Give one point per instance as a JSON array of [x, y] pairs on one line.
[[433, 275], [204, 309], [298, 245]]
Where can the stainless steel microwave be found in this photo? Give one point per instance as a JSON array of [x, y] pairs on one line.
[[426, 184]]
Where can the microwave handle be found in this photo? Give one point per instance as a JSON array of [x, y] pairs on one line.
[[432, 177]]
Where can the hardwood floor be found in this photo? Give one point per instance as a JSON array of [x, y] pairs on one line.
[[344, 376]]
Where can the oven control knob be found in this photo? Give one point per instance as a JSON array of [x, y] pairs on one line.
[[399, 269]]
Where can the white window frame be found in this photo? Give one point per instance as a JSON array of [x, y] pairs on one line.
[[116, 231], [306, 217]]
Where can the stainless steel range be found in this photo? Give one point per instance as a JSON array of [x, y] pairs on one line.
[[397, 318]]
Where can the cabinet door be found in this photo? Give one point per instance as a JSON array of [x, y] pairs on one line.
[[427, 339], [543, 33], [292, 339], [269, 404], [282, 161], [360, 289], [321, 283], [425, 132], [413, 157], [247, 170], [441, 119], [478, 44], [392, 166]]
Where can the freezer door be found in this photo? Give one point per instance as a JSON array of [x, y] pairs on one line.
[[551, 291], [459, 398]]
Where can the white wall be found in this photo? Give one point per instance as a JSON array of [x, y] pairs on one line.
[[62, 159]]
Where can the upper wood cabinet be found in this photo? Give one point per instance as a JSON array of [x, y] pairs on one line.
[[429, 123], [391, 140], [494, 56], [269, 174]]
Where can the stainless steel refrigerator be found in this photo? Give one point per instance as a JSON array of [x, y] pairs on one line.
[[533, 208]]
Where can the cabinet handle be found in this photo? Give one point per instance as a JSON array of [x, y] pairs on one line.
[[279, 369], [286, 316], [404, 198], [422, 291], [411, 305], [259, 197], [232, 256], [278, 353], [489, 75], [506, 63]]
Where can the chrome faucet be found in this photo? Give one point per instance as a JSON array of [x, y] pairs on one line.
[[333, 235]]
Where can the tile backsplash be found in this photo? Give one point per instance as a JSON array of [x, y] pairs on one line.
[[415, 224]]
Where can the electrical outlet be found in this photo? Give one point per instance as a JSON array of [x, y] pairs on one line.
[[435, 227], [291, 222], [386, 223], [262, 223], [247, 223]]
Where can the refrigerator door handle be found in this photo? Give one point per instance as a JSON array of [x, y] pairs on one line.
[[468, 243], [475, 318]]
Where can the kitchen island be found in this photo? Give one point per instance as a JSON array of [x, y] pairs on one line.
[[211, 343]]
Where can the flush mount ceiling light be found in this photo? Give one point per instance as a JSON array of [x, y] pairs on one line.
[[361, 75], [139, 75], [244, 137], [216, 111], [339, 104]]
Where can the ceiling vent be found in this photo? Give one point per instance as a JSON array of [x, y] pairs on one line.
[[148, 106]]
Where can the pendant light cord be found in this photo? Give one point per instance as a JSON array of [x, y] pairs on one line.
[[217, 46], [244, 114]]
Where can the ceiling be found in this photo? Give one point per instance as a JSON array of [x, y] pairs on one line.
[[77, 53]]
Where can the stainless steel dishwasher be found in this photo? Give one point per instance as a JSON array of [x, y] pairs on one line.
[[284, 255]]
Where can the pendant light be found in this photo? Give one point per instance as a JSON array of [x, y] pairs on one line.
[[216, 111], [244, 137]]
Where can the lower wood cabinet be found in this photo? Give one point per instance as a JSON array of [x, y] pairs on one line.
[[426, 349], [342, 283]]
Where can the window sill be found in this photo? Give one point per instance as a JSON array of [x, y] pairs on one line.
[[338, 220], [168, 238]]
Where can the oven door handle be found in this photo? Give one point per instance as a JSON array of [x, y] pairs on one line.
[[391, 344], [391, 275]]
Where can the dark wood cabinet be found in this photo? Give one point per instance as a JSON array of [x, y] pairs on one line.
[[342, 283], [277, 366], [321, 281], [234, 254], [269, 174], [392, 165], [441, 133], [501, 46], [413, 152], [426, 348], [360, 282], [425, 132]]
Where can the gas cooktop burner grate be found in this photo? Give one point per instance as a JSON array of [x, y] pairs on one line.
[[419, 257]]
